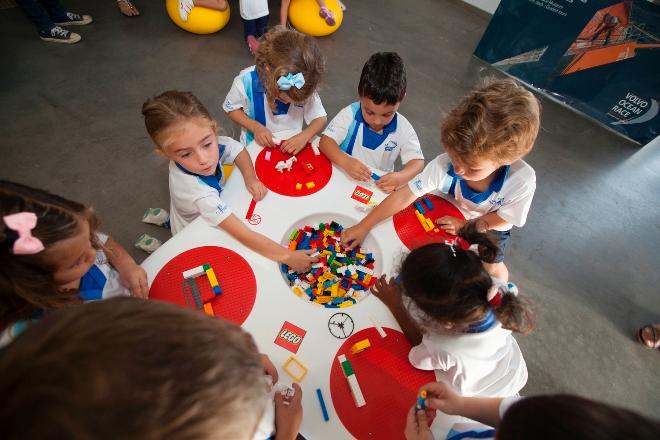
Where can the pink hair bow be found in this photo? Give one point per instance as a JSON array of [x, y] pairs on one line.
[[23, 223]]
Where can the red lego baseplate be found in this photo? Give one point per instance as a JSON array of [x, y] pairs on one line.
[[234, 274], [410, 230], [387, 380], [285, 183]]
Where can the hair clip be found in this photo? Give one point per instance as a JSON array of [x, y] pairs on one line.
[[23, 223], [450, 243], [494, 296], [286, 82]]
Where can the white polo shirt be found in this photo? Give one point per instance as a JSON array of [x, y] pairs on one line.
[[253, 9], [510, 194], [247, 93], [192, 195], [376, 150]]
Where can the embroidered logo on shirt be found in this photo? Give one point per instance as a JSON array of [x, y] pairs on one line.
[[418, 184], [390, 145], [222, 209], [497, 201]]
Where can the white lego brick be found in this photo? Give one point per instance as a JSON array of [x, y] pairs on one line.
[[194, 272], [358, 397]]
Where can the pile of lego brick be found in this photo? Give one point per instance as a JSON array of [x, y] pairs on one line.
[[340, 278]]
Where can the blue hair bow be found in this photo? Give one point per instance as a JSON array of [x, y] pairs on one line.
[[288, 81]]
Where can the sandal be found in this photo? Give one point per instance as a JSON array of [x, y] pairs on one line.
[[652, 330], [127, 8], [327, 15]]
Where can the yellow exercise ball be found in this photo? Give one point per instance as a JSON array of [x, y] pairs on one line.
[[304, 16], [200, 20]]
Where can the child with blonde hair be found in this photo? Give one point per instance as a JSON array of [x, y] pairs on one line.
[[279, 92], [459, 319], [186, 134], [51, 256], [482, 172]]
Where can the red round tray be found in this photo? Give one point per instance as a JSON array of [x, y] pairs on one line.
[[284, 183], [387, 380], [409, 229], [234, 274]]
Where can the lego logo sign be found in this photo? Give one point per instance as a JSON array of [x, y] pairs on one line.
[[362, 195], [290, 337]]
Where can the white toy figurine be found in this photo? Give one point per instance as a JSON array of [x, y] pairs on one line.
[[285, 164]]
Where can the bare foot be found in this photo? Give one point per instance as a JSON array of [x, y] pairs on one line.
[[127, 8]]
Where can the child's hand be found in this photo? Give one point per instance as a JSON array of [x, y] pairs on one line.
[[300, 261], [288, 414], [449, 224], [294, 144], [356, 169], [389, 182], [264, 136], [256, 189], [388, 292], [442, 397], [352, 237], [417, 426], [134, 278], [269, 368]]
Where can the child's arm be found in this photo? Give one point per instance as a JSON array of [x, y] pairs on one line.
[[391, 181], [132, 276], [353, 167], [252, 183], [395, 202], [284, 12], [452, 225], [288, 415], [299, 261], [219, 5], [296, 143], [390, 294], [262, 135]]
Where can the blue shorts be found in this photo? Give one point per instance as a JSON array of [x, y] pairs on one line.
[[501, 238]]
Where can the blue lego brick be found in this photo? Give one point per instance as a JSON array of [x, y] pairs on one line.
[[375, 176], [419, 207], [217, 290], [428, 203]]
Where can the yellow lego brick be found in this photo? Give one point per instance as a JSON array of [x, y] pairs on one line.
[[323, 299], [430, 223], [354, 276], [295, 369], [334, 290], [211, 276], [366, 279], [299, 186], [345, 304], [310, 185], [360, 346], [297, 291]]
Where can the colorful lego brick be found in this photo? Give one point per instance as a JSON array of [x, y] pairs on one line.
[[267, 155], [380, 330], [308, 167], [421, 400], [324, 410], [375, 176], [194, 293], [353, 384], [210, 274], [310, 185], [298, 186], [316, 150], [360, 346], [428, 203], [194, 272], [295, 369], [208, 309], [420, 208]]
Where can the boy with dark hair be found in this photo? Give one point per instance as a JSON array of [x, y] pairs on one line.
[[366, 137], [129, 369]]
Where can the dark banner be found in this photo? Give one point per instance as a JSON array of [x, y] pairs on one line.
[[599, 57]]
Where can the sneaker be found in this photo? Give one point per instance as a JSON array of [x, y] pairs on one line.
[[157, 216], [73, 19], [147, 243], [59, 35]]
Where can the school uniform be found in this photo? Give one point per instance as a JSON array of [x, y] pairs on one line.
[[247, 93], [192, 195], [376, 150]]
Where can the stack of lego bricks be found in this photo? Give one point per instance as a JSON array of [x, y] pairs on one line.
[[340, 278]]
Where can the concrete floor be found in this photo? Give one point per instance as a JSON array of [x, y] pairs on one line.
[[589, 255]]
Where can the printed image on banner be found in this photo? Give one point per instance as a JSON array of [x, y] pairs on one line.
[[600, 57]]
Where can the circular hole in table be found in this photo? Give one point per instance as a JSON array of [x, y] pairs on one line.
[[388, 382], [313, 220], [410, 230], [234, 275], [284, 183]]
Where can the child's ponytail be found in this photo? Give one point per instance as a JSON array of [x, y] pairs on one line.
[[514, 312], [486, 246]]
